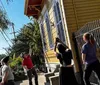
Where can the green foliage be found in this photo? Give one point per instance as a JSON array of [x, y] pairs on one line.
[[16, 65], [4, 22], [15, 61], [28, 38]]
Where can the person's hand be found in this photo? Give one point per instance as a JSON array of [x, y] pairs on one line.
[[55, 53], [83, 62], [2, 83], [26, 68]]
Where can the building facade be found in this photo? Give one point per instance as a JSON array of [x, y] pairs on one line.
[[61, 18]]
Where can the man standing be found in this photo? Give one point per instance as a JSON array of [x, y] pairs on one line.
[[28, 65]]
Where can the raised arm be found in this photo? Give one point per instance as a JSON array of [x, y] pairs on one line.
[[58, 40], [55, 46]]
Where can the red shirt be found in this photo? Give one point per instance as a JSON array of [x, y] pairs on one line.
[[27, 62]]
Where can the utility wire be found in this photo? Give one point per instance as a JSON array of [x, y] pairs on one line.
[[5, 38], [8, 19], [4, 9]]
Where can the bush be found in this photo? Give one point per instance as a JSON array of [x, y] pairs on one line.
[[15, 64]]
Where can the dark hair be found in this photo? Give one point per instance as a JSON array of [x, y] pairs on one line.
[[61, 48], [89, 38], [6, 59], [26, 52]]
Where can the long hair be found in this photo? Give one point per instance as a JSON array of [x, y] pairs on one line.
[[61, 48], [5, 60], [89, 38]]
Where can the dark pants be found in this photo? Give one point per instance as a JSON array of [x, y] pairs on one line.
[[10, 82], [67, 76], [92, 67], [29, 74]]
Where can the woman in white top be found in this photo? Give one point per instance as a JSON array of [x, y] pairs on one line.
[[7, 75]]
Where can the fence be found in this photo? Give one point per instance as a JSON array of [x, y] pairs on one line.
[[92, 28]]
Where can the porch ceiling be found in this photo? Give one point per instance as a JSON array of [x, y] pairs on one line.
[[33, 7]]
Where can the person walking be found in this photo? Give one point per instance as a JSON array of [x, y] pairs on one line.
[[7, 75], [28, 65], [89, 58], [64, 55]]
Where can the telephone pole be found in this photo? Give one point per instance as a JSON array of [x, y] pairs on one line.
[[13, 30]]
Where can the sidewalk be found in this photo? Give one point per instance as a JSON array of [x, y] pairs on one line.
[[41, 79]]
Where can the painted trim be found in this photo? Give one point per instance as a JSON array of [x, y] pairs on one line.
[[54, 3], [42, 37], [25, 7], [66, 27], [42, 13]]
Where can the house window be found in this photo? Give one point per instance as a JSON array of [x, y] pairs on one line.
[[43, 37], [49, 31], [59, 21]]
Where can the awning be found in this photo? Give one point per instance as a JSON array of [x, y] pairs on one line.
[[33, 7]]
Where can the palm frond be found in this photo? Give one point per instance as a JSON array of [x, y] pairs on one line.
[[4, 22]]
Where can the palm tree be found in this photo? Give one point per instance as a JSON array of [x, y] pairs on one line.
[[29, 39], [4, 22]]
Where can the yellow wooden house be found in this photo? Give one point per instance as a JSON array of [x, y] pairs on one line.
[[60, 18]]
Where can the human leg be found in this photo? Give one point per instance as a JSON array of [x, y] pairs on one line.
[[87, 74], [29, 74], [35, 75], [10, 82], [97, 69]]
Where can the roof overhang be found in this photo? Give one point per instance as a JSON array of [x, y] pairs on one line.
[[33, 8]]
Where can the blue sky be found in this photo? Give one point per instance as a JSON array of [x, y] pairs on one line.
[[15, 12]]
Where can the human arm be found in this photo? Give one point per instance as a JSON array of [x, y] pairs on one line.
[[55, 45], [59, 41], [5, 76], [83, 58], [84, 52], [24, 65], [4, 79]]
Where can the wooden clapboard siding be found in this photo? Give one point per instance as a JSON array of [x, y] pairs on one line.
[[79, 12], [71, 24]]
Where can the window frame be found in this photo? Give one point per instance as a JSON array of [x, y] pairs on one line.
[[43, 37], [61, 21], [51, 45]]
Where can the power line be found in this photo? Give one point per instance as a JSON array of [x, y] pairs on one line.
[[12, 24], [5, 38], [4, 10]]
